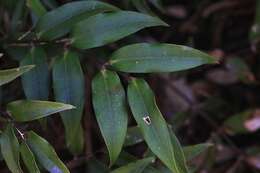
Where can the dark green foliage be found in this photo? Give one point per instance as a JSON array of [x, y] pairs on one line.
[[98, 95]]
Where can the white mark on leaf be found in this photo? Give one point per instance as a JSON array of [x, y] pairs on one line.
[[147, 120]]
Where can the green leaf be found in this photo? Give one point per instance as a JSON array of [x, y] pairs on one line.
[[135, 167], [37, 7], [68, 84], [10, 149], [45, 154], [36, 82], [193, 151], [150, 169], [235, 123], [59, 21], [152, 124], [106, 28], [94, 166], [110, 110], [18, 16], [178, 153], [28, 158], [28, 110], [11, 74], [142, 6], [133, 136], [125, 158], [148, 58]]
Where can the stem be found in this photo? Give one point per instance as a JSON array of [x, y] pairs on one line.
[[87, 118]]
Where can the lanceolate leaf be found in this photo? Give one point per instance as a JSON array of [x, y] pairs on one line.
[[110, 110], [148, 58], [58, 22], [106, 28], [68, 83], [28, 158], [10, 150], [193, 151], [45, 154], [178, 153], [152, 123], [28, 110], [11, 74], [135, 167], [37, 7], [36, 82]]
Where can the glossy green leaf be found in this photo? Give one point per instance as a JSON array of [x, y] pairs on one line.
[[193, 151], [152, 124], [28, 158], [148, 58], [68, 84], [10, 149], [28, 110], [36, 82], [106, 28], [37, 7], [135, 167], [59, 21], [11, 74], [45, 154], [110, 110]]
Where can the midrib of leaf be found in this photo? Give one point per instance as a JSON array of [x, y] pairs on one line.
[[153, 130], [143, 58]]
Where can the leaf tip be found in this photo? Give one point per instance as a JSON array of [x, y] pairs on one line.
[[70, 107]]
